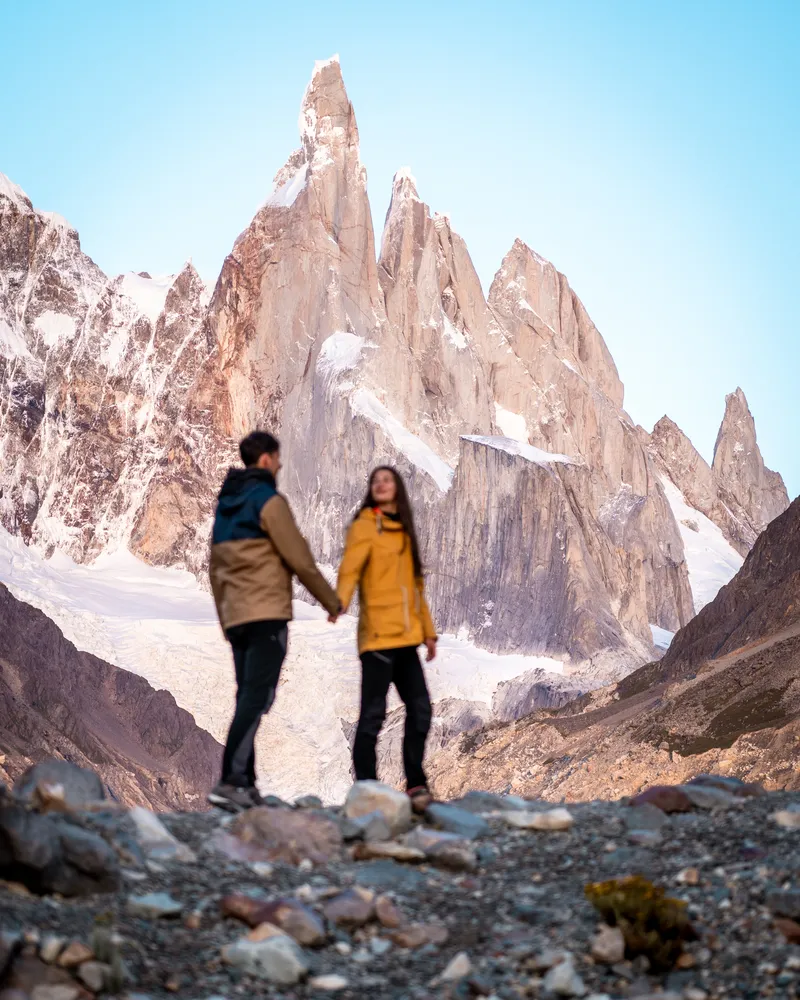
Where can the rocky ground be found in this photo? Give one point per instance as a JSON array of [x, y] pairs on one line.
[[375, 903]]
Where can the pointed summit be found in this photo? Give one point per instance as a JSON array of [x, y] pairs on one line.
[[751, 489], [536, 304]]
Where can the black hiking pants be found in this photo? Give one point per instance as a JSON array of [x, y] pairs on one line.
[[259, 649], [379, 670]]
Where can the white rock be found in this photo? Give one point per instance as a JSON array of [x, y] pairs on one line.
[[608, 945], [46, 991], [787, 818], [563, 981], [343, 948], [278, 959], [458, 967], [330, 982], [94, 975], [51, 947], [552, 819], [379, 946], [155, 839], [373, 796]]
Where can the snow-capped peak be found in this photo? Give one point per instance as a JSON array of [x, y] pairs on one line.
[[322, 64], [14, 193]]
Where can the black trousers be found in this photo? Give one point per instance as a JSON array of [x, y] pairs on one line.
[[259, 649], [379, 670]]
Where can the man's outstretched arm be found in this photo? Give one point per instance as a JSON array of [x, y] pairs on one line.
[[279, 523]]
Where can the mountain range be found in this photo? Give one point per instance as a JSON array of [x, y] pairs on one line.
[[552, 524]]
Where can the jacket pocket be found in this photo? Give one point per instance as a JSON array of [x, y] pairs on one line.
[[388, 614]]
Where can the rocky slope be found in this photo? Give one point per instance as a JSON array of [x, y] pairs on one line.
[[57, 701], [490, 896], [725, 697], [126, 397]]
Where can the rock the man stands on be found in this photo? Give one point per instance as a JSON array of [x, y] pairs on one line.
[[256, 549]]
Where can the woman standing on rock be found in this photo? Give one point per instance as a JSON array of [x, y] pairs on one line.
[[381, 558]]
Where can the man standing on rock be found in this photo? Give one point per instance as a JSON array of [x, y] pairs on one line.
[[256, 550]]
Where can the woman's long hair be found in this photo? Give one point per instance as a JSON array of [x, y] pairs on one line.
[[404, 512]]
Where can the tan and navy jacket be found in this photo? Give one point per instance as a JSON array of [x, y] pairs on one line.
[[377, 559], [256, 549]]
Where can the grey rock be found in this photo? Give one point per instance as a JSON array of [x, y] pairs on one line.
[[154, 905], [308, 802], [454, 820], [644, 817], [563, 981], [78, 786], [709, 797], [784, 903], [386, 875], [278, 959]]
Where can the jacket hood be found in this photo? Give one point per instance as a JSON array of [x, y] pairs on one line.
[[377, 516], [238, 485]]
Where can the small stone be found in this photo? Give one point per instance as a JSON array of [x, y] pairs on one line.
[[789, 928], [379, 946], [193, 921], [644, 817], [792, 963], [608, 945], [549, 958], [387, 849], [262, 868], [94, 975], [155, 839], [784, 903], [551, 819], [388, 913], [278, 959], [685, 960], [173, 984], [55, 991], [343, 948], [709, 797], [645, 838], [308, 802], [489, 802], [154, 905], [418, 935], [51, 947], [372, 796], [735, 786], [457, 968], [563, 981], [694, 993], [330, 982], [454, 820], [74, 955], [688, 876], [787, 818], [353, 907], [668, 798]]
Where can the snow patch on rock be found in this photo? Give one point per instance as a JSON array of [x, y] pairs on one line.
[[513, 425], [147, 294], [286, 194], [514, 447], [12, 343], [416, 451], [661, 637], [340, 352], [712, 561], [55, 327]]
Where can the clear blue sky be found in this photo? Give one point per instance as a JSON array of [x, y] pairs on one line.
[[649, 149]]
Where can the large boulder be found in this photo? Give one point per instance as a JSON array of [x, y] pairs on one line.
[[54, 785], [372, 796]]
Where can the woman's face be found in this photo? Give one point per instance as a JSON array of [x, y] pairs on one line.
[[384, 488]]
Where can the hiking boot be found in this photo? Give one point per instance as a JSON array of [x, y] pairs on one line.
[[420, 797], [231, 797], [256, 798]]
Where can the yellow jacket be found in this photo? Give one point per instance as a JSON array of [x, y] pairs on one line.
[[377, 559]]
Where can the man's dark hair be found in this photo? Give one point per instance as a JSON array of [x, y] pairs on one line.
[[257, 444]]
